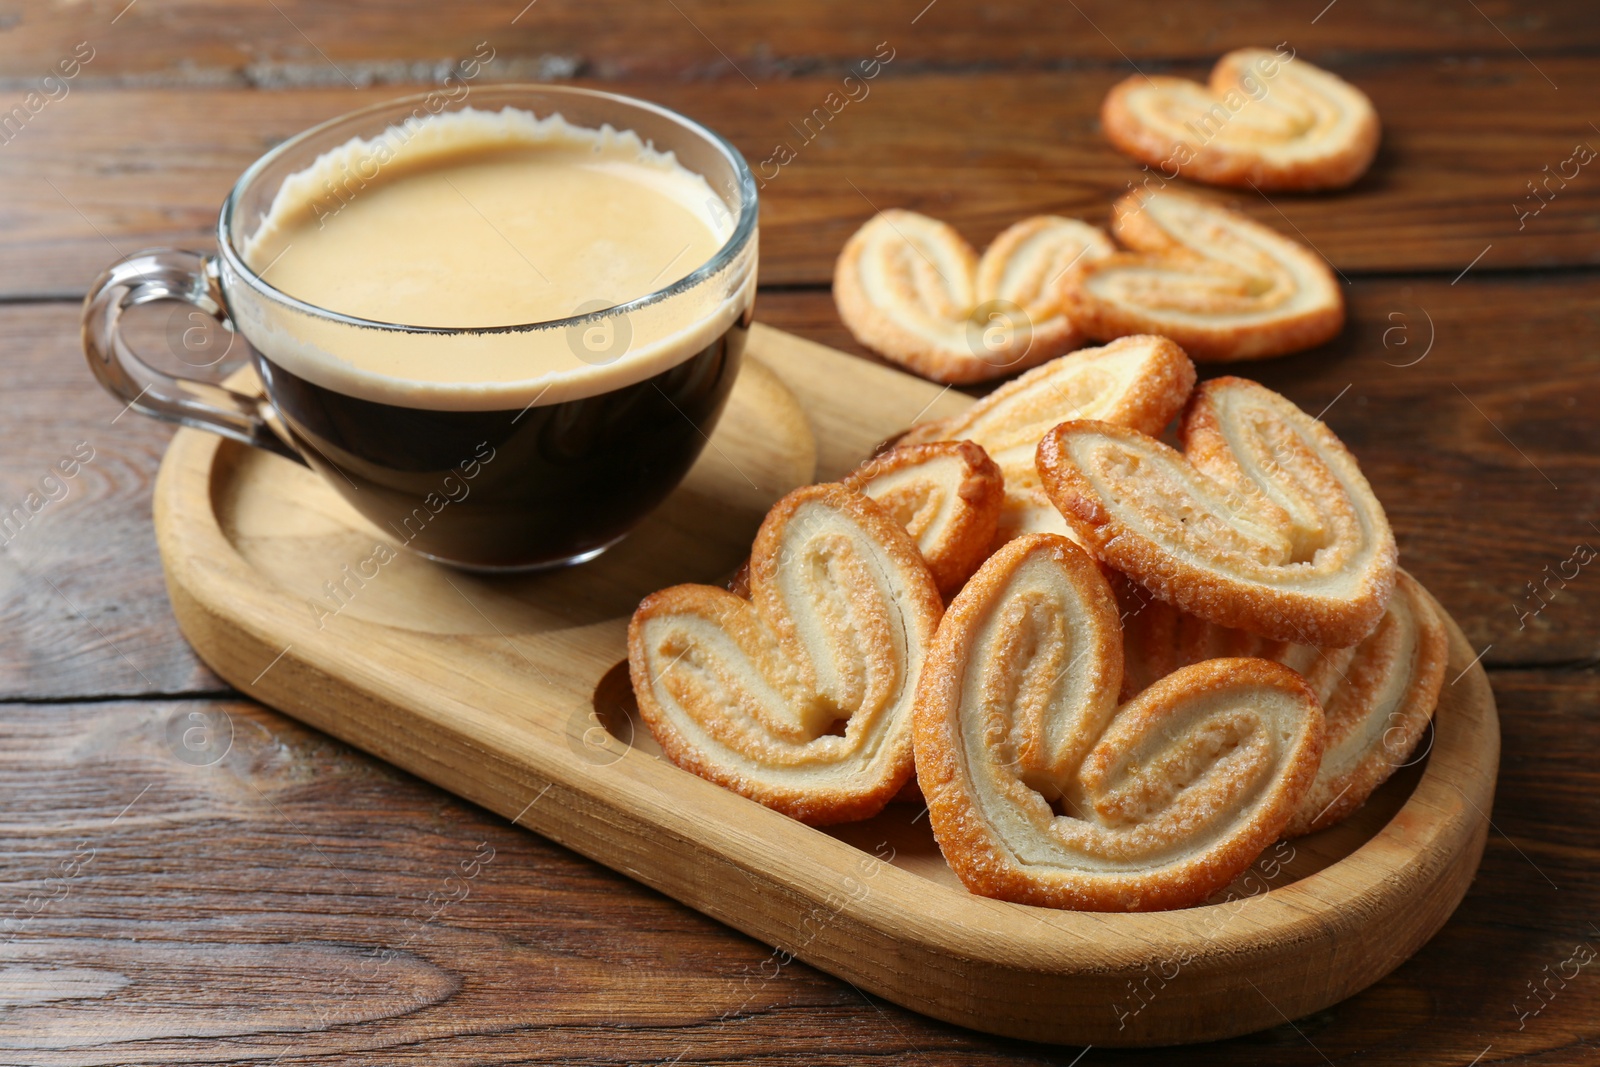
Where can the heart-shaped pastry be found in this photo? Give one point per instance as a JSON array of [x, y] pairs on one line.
[[1267, 120], [947, 494], [913, 290], [1220, 285], [800, 697], [1377, 697], [1264, 522], [1042, 790], [1138, 382]]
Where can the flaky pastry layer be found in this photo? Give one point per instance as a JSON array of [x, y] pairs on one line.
[[1264, 522], [1139, 382], [1377, 696], [947, 494], [1264, 121]]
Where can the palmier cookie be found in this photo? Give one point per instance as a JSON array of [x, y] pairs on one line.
[[1264, 522], [1377, 697], [1220, 285], [948, 496], [913, 290], [800, 697], [1042, 790], [1265, 121], [1138, 382]]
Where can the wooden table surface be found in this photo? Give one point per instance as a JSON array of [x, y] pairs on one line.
[[289, 903]]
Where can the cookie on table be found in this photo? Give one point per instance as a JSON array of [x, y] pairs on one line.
[[912, 289], [1265, 121], [1218, 283]]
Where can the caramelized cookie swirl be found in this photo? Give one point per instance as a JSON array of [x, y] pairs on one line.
[[948, 496], [912, 289], [1264, 523], [1222, 286], [800, 697], [1379, 709], [1138, 382], [1264, 121], [1041, 790]]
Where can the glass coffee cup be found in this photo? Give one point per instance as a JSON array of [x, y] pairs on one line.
[[488, 446]]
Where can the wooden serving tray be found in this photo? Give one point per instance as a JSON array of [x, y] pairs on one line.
[[508, 692]]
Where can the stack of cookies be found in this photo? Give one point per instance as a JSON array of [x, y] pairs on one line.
[[1116, 671], [1210, 649]]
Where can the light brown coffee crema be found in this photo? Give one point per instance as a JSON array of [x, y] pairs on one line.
[[477, 219]]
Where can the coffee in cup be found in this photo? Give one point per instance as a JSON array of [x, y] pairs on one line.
[[503, 334]]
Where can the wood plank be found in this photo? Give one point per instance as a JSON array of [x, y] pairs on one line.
[[257, 42], [101, 173], [297, 898], [82, 599], [218, 919]]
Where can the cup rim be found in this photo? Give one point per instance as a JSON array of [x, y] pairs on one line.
[[743, 230]]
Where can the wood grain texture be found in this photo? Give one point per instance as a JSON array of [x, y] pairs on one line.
[[1462, 141], [271, 44], [82, 603], [216, 926], [248, 905]]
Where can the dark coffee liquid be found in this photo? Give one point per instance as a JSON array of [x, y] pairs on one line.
[[516, 488]]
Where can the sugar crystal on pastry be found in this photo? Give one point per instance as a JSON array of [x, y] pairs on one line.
[[1264, 522], [912, 289]]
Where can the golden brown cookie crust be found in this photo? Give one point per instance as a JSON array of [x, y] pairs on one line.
[[1140, 382], [1377, 697], [1221, 285], [913, 290], [947, 495], [1379, 710]]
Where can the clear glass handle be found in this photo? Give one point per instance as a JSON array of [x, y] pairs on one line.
[[169, 274]]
